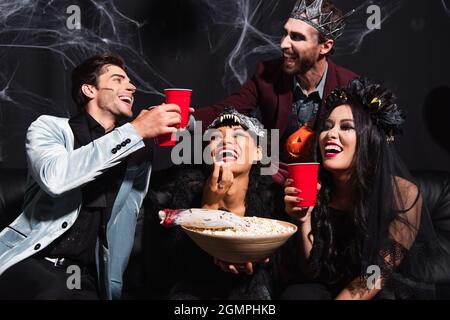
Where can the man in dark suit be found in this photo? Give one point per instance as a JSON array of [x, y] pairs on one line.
[[290, 91]]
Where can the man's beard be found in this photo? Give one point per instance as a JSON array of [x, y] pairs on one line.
[[303, 65]]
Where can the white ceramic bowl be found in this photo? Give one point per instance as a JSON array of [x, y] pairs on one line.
[[241, 248]]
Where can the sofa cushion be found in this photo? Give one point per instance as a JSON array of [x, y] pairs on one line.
[[12, 189]]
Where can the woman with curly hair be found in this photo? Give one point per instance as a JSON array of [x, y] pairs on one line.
[[369, 234], [233, 183]]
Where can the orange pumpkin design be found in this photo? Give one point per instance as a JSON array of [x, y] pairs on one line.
[[300, 145]]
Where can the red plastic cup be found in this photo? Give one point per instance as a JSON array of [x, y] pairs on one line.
[[305, 176], [181, 97]]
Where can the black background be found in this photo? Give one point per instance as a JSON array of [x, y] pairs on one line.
[[188, 43]]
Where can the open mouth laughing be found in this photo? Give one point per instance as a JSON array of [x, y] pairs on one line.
[[227, 154], [289, 59], [127, 99], [332, 150]]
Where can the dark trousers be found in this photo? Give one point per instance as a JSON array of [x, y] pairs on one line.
[[306, 291], [39, 279]]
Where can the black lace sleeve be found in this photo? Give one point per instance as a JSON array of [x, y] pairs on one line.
[[404, 255]]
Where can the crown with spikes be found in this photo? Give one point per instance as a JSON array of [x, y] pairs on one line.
[[378, 101], [323, 22]]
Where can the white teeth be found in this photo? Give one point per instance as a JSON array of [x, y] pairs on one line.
[[333, 147], [226, 152], [229, 117], [126, 99]]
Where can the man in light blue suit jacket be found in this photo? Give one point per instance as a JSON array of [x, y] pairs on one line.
[[87, 177]]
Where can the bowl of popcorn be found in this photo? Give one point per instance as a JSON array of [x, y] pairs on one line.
[[255, 240]]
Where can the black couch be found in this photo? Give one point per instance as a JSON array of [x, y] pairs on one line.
[[435, 186]]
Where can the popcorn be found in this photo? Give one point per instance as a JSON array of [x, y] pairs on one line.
[[253, 227]]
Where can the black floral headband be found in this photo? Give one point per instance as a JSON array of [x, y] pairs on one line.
[[378, 101]]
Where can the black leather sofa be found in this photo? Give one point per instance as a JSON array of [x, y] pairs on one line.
[[435, 186]]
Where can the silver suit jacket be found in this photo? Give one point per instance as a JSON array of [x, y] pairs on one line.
[[56, 173]]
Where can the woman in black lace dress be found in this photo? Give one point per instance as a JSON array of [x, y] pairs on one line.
[[234, 183], [369, 235]]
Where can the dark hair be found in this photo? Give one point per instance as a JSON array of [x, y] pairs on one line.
[[89, 71], [367, 156], [371, 179]]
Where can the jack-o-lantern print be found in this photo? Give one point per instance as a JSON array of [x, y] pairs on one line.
[[299, 146]]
